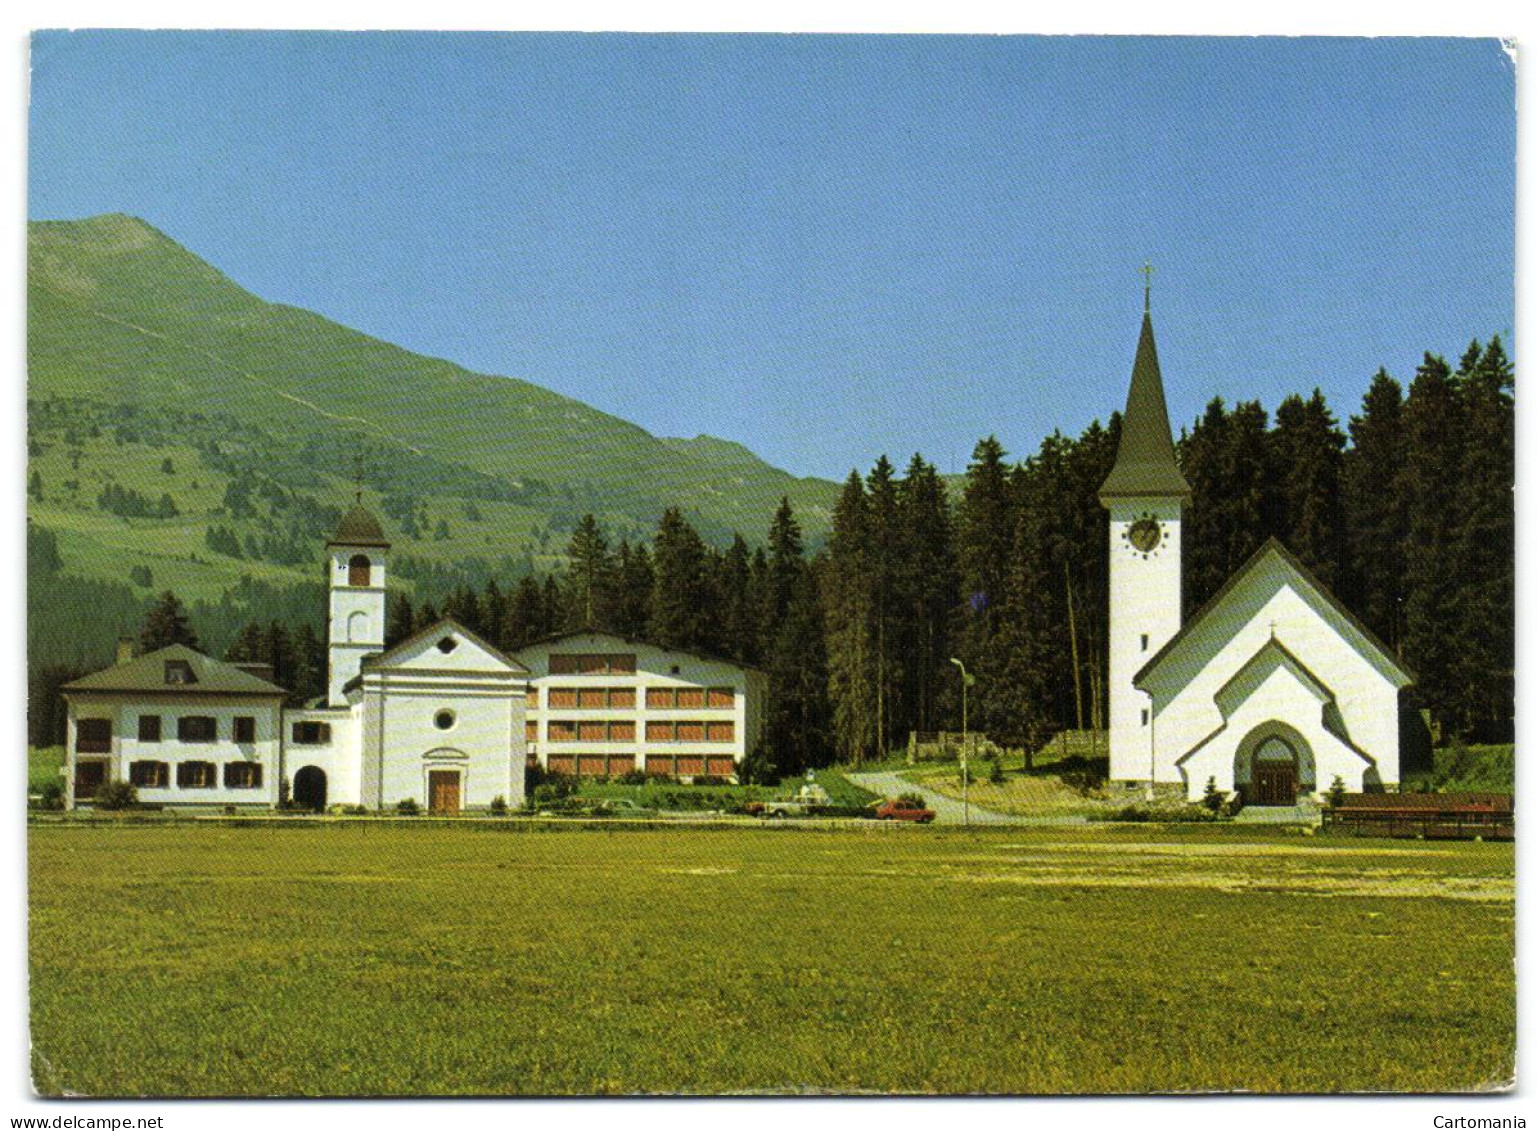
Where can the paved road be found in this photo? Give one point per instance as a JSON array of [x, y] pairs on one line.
[[947, 810]]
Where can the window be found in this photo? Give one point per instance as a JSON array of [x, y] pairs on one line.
[[622, 663], [530, 731], [197, 728], [197, 775], [149, 775], [89, 777], [447, 645], [93, 736], [661, 732], [245, 728], [661, 698], [623, 697], [591, 697], [242, 775], [691, 698], [359, 570], [621, 732], [562, 663], [1144, 642], [691, 732], [179, 671], [311, 734], [562, 730], [722, 697], [443, 720], [1144, 716], [720, 732], [149, 728], [562, 697], [592, 732], [533, 699]]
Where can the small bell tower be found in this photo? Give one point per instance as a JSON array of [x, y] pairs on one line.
[[1145, 495], [355, 562]]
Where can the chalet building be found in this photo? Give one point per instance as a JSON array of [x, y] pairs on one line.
[[1272, 689], [443, 718]]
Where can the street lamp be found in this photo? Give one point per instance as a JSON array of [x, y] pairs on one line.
[[967, 679]]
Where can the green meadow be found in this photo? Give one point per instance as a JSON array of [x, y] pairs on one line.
[[359, 958]]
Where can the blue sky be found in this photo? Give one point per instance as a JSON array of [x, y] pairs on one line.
[[823, 247]]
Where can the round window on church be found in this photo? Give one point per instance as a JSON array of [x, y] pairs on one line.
[[443, 720]]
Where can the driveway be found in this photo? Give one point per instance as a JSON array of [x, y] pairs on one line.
[[947, 810]]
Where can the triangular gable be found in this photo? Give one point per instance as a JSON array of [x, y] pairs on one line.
[[421, 650], [1311, 590], [1270, 656]]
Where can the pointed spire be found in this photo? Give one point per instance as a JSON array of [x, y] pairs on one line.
[[1144, 462]]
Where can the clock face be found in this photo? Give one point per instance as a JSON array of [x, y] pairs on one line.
[[1144, 535]]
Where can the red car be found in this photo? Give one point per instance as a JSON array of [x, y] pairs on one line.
[[903, 809]]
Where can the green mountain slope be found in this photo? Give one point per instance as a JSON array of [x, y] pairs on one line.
[[123, 318]]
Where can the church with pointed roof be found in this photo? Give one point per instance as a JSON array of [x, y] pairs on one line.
[[1273, 690]]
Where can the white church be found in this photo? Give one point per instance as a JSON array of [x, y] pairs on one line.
[[1271, 690], [442, 718]]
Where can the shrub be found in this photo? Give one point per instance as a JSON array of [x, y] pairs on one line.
[[1213, 798], [709, 779], [632, 777], [1336, 795], [52, 796], [498, 806], [231, 811], [116, 795], [995, 771], [407, 807], [759, 768], [913, 799], [354, 811]]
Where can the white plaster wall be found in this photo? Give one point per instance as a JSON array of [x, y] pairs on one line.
[[346, 642], [123, 711], [340, 759], [1144, 601], [1184, 691], [484, 744], [1283, 696]]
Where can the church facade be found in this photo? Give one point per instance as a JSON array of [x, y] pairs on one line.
[[1272, 690], [443, 718]]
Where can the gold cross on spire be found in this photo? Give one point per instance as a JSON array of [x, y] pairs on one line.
[[1147, 285]]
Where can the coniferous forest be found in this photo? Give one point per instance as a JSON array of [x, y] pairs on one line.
[[1405, 509]]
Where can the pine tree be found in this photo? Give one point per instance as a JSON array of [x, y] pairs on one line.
[[926, 559], [493, 614], [525, 614], [985, 523], [1308, 451], [739, 622], [1432, 461], [1376, 512], [588, 575], [309, 666], [399, 619], [278, 650], [635, 581], [1483, 608], [165, 624], [249, 645], [848, 605], [1205, 459], [888, 599], [679, 599]]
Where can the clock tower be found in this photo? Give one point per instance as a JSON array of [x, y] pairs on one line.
[[1145, 495]]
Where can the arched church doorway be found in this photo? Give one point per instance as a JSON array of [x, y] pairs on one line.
[[310, 789], [1273, 773]]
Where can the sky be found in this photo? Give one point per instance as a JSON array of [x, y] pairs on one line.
[[823, 247]]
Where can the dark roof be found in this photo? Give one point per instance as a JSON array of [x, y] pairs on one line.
[[446, 624], [1272, 546], [359, 527], [147, 674], [1144, 461], [697, 653]]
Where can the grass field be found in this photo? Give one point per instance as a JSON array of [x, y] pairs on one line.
[[369, 958]]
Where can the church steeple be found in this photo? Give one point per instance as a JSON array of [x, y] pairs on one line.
[[1144, 462]]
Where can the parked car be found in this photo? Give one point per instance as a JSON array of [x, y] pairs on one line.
[[903, 809], [622, 807]]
